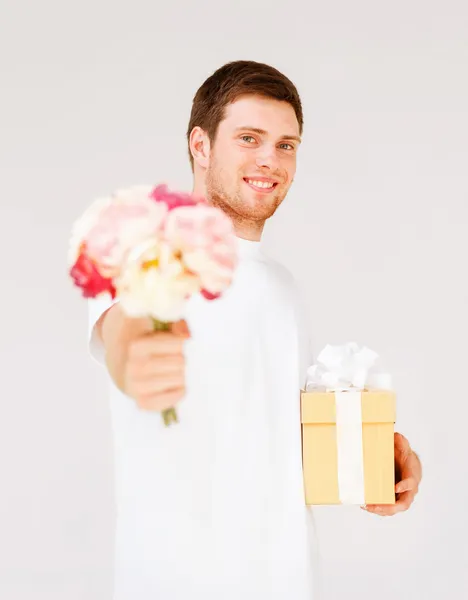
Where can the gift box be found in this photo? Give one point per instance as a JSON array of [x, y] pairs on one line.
[[348, 422]]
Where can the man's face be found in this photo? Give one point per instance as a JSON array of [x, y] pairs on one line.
[[253, 158]]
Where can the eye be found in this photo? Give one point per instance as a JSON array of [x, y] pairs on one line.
[[289, 146], [246, 138]]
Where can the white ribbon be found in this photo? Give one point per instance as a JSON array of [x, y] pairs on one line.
[[349, 442], [345, 370]]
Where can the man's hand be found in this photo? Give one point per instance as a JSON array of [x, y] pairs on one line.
[[154, 374], [146, 365], [408, 477]]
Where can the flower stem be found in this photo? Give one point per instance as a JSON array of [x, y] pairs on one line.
[[169, 415]]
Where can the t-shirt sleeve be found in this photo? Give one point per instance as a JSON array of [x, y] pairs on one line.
[[96, 308]]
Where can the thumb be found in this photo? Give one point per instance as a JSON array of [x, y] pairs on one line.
[[180, 328]]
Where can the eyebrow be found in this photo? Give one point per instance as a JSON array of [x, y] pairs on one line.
[[263, 132]]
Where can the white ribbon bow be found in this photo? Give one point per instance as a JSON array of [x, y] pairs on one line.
[[346, 368]]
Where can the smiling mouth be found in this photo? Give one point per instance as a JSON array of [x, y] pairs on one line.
[[261, 186]]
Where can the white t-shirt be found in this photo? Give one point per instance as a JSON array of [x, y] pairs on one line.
[[213, 507]]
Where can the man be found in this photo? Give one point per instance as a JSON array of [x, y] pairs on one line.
[[213, 507]]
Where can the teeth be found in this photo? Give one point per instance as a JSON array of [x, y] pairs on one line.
[[260, 184]]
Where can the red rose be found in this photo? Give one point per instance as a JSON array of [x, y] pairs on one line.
[[209, 295], [87, 277]]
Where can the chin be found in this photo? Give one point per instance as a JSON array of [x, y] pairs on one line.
[[258, 210], [245, 203]]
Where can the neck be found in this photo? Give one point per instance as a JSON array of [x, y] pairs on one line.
[[245, 229]]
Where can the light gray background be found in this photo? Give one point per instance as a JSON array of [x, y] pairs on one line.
[[96, 95]]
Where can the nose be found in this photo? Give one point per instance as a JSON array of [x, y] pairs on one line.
[[267, 158]]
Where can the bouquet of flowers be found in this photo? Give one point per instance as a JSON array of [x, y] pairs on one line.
[[152, 249]]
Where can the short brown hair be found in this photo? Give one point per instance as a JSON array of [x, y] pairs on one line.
[[231, 81]]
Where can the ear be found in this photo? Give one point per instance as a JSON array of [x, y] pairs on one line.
[[200, 147]]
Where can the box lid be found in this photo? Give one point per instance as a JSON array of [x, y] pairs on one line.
[[377, 407]]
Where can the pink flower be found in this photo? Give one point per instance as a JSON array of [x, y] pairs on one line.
[[204, 237], [173, 200], [111, 227]]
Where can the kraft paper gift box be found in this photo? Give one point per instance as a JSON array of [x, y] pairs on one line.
[[347, 430]]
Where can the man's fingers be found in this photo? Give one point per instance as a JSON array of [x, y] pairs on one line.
[[404, 501], [406, 485], [387, 510], [401, 442], [382, 510], [160, 367], [162, 401], [402, 449], [162, 343], [180, 328], [159, 385]]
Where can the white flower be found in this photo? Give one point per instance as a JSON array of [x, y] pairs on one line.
[[155, 283]]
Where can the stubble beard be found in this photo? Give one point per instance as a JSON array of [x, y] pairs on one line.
[[238, 209]]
